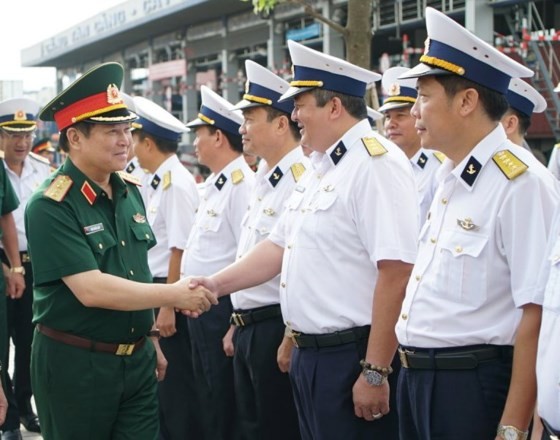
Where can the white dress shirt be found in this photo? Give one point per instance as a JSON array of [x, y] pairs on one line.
[[171, 202], [213, 241], [356, 210], [272, 188], [548, 355], [479, 251], [554, 161], [35, 170], [134, 168], [425, 163]]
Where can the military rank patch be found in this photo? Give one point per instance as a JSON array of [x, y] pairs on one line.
[[471, 170], [129, 178], [58, 188], [221, 182], [338, 153], [130, 168], [275, 177], [237, 176], [373, 146], [297, 169], [166, 180], [155, 182], [422, 159], [509, 164], [440, 156], [88, 192]]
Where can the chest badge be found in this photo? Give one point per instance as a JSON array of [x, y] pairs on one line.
[[467, 224], [139, 218]]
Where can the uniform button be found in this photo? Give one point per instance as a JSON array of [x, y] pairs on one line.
[[458, 249], [556, 258], [100, 245], [283, 284], [433, 240], [123, 243], [417, 277], [289, 246], [132, 330], [260, 199], [131, 272], [147, 235], [404, 316], [444, 201]]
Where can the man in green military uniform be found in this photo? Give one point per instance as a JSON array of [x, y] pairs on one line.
[[92, 368]]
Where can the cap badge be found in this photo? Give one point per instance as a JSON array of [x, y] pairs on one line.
[[20, 116], [113, 95], [394, 89]]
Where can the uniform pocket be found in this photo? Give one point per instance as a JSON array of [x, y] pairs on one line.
[[320, 223], [460, 268], [100, 242]]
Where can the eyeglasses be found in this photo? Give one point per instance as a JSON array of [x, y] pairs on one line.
[[26, 136]]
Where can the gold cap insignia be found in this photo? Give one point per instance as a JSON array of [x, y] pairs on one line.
[[20, 116], [394, 89], [113, 95]]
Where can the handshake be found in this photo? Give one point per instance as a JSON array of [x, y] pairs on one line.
[[195, 296]]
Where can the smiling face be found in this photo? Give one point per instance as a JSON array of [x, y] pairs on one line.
[[399, 127], [255, 131], [312, 121], [16, 145]]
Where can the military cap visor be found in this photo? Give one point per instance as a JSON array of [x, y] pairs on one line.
[[94, 98]]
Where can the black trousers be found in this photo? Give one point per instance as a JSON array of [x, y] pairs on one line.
[[179, 411], [263, 394], [20, 331], [453, 404], [213, 372], [322, 380]]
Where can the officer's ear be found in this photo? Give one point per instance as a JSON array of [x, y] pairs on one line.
[[510, 122], [73, 135]]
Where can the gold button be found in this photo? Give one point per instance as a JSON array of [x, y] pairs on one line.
[[404, 316], [458, 249], [100, 245], [289, 246], [123, 243], [417, 277], [147, 235], [132, 330], [283, 284], [433, 239], [131, 272], [444, 201]]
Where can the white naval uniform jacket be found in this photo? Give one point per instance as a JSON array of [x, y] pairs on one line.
[[425, 163]]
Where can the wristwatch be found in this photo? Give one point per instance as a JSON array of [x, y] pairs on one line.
[[374, 377], [508, 432], [18, 269]]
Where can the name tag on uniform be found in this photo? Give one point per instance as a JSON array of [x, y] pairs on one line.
[[92, 229]]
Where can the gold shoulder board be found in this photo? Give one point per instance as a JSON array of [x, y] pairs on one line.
[[439, 156], [237, 176], [58, 188], [557, 145], [129, 178], [297, 170], [39, 158], [509, 164], [166, 180], [373, 146], [1, 154]]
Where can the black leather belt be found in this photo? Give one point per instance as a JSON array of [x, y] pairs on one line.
[[460, 358], [302, 340], [23, 255], [552, 433], [241, 318]]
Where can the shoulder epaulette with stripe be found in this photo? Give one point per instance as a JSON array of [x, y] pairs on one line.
[[39, 158], [297, 170], [237, 176], [557, 145], [129, 178], [58, 188], [509, 164], [166, 180], [440, 156], [373, 146]]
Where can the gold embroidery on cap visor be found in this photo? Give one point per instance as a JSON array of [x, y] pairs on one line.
[[308, 83], [95, 114], [442, 64], [400, 99], [257, 99], [206, 119]]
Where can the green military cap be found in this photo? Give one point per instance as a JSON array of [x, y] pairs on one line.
[[94, 97]]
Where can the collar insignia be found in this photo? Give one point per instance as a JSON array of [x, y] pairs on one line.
[[422, 159], [275, 177], [130, 168], [155, 182], [88, 192], [220, 182], [338, 153], [471, 171]]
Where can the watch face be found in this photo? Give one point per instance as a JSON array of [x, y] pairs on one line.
[[511, 434], [373, 377]]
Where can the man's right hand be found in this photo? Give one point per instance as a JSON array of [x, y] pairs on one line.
[[196, 300]]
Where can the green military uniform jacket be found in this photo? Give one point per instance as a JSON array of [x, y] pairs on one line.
[[73, 227]]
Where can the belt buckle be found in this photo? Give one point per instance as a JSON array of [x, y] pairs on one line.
[[125, 349], [25, 258], [238, 319], [404, 358], [293, 337]]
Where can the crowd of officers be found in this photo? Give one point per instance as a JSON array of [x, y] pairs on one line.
[[355, 286]]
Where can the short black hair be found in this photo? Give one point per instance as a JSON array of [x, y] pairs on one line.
[[163, 145], [234, 140], [494, 103], [83, 127], [354, 105]]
